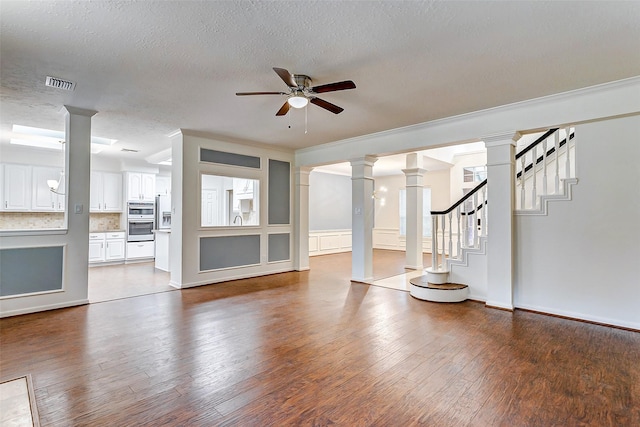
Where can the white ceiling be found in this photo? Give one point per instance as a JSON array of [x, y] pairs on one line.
[[151, 67]]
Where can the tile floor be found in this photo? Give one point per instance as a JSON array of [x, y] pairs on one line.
[[399, 282], [15, 405]]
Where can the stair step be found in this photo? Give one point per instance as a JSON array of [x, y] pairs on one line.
[[420, 288]]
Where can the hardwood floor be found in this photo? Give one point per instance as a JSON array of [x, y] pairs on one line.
[[311, 348]]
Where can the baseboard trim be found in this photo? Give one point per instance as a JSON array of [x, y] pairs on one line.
[[574, 316], [40, 308], [499, 306], [230, 279]]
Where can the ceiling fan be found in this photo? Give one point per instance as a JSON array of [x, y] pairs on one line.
[[301, 93]]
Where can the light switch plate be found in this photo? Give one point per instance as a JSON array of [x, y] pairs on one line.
[[78, 209]]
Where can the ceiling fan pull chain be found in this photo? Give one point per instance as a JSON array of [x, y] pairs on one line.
[[306, 108], [289, 118]]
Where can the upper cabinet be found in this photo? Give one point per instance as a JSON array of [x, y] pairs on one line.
[[16, 187], [106, 192], [163, 185], [141, 186], [43, 199]]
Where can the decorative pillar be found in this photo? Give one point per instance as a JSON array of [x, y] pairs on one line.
[[362, 205], [77, 176], [414, 189], [501, 184], [301, 219]]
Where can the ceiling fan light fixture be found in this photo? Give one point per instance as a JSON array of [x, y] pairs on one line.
[[298, 101]]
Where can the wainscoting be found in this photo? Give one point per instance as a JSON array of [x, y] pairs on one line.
[[329, 242], [336, 241]]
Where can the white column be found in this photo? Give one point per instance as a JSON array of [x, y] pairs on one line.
[[414, 186], [362, 206], [78, 172], [501, 184], [177, 204], [301, 219]]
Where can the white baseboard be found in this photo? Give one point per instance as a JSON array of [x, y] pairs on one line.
[[230, 278], [43, 308], [581, 316]]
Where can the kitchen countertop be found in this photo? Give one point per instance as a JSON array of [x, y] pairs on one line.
[[107, 231]]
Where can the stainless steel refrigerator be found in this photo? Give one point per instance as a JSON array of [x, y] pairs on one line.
[[163, 212]]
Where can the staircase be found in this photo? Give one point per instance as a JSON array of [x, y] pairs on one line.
[[545, 172]]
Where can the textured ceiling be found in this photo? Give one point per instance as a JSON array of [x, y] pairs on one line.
[[151, 67]]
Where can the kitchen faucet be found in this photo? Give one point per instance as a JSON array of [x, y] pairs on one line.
[[237, 217]]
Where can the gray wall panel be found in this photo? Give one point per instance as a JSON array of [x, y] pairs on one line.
[[279, 191], [229, 251], [329, 202], [222, 157], [279, 247], [29, 270]]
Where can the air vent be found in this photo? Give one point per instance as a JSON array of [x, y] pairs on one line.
[[59, 83], [129, 150]]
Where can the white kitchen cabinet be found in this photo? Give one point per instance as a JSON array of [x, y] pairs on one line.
[[16, 187], [43, 199], [163, 185], [137, 250], [141, 186], [109, 246], [114, 246], [96, 247], [106, 192]]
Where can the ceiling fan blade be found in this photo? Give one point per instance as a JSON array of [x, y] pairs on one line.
[[326, 105], [284, 109], [286, 76], [259, 93], [332, 87]]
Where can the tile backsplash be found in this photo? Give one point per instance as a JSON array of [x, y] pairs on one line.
[[104, 222], [31, 220], [41, 220]]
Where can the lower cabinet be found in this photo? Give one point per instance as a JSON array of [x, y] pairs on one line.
[[114, 247], [137, 250], [106, 247]]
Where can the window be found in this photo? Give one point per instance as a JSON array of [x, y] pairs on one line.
[[474, 174], [229, 201], [426, 212]]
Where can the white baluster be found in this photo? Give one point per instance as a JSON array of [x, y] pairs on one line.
[[534, 196], [556, 142], [475, 220], [434, 242], [444, 223], [567, 174], [522, 190], [450, 236], [459, 253], [544, 166], [483, 221]]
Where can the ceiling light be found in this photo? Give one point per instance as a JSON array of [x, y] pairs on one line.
[[48, 133], [38, 143], [298, 101]]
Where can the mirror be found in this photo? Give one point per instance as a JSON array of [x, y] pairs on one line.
[[229, 201]]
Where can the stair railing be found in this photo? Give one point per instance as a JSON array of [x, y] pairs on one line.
[[469, 217], [464, 224], [548, 157]]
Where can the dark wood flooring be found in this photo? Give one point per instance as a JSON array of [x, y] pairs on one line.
[[311, 348]]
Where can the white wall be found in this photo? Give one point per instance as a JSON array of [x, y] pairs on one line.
[[329, 202], [582, 259]]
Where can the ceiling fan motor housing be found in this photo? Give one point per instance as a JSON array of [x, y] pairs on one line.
[[302, 81]]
